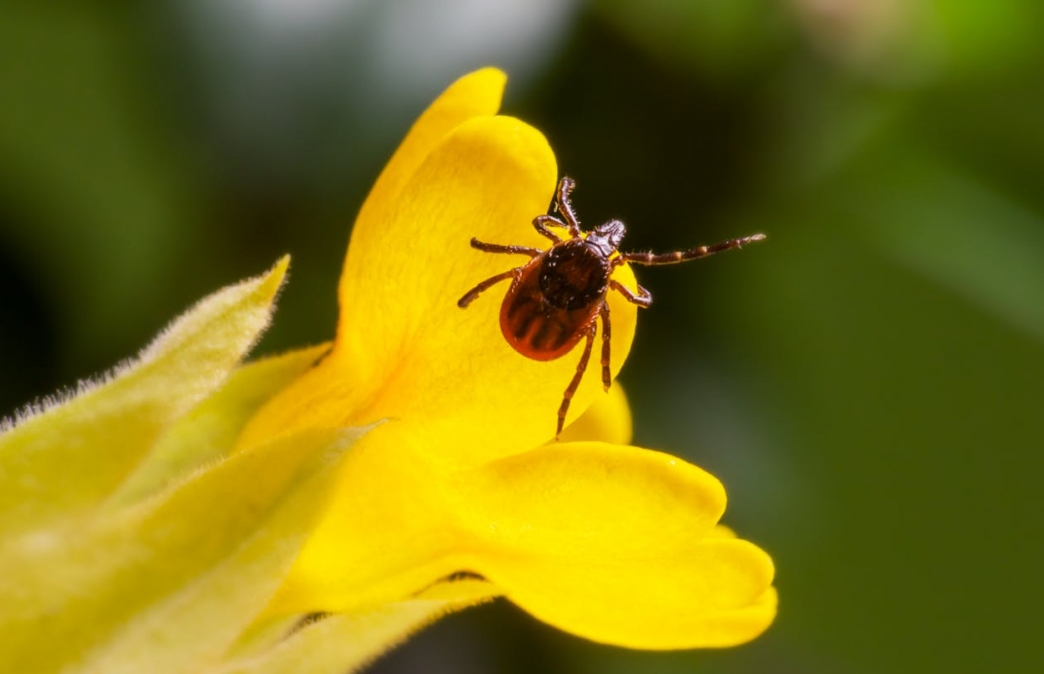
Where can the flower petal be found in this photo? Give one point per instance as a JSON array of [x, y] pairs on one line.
[[387, 533], [617, 545], [700, 597], [477, 94], [73, 454], [608, 419], [405, 350], [598, 498]]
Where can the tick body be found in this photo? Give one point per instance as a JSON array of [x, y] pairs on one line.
[[556, 300]]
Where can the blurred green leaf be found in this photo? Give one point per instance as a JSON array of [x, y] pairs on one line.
[[963, 236], [984, 39]]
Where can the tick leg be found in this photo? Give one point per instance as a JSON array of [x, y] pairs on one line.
[[565, 207], [580, 368], [541, 223], [607, 377], [497, 248], [470, 296], [691, 254], [642, 299]]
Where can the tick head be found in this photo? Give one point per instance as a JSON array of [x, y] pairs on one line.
[[607, 237]]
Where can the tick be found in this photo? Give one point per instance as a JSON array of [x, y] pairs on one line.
[[556, 298]]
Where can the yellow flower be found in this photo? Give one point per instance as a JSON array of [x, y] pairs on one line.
[[191, 514], [610, 542]]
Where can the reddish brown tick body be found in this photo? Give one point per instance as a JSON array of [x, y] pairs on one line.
[[556, 298]]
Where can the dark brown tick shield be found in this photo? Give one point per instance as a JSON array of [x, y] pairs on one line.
[[556, 298]]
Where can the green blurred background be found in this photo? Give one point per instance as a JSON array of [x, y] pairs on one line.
[[867, 383]]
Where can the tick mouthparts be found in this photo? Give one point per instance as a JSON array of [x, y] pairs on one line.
[[755, 237]]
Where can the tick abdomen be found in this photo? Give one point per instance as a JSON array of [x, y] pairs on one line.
[[534, 326]]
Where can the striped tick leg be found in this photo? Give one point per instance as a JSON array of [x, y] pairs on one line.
[[470, 296], [542, 223], [580, 368], [691, 254], [565, 208], [497, 248], [642, 299], [607, 377]]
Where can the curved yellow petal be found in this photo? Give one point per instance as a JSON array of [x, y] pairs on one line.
[[615, 544], [387, 534], [722, 531], [406, 351], [477, 94], [588, 499], [715, 593], [608, 419]]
